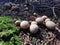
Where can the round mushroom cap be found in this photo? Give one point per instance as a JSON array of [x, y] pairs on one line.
[[34, 28], [44, 17], [33, 22], [50, 25], [39, 20], [24, 24], [48, 19]]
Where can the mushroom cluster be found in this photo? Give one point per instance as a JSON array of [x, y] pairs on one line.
[[33, 25], [47, 21], [40, 19], [33, 28]]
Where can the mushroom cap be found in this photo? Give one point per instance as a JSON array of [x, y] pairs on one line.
[[50, 25], [44, 17], [33, 22], [24, 24], [33, 28], [18, 22], [48, 19], [39, 20]]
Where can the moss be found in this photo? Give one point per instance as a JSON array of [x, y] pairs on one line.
[[7, 28]]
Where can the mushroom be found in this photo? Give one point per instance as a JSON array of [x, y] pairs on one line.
[[17, 22], [33, 28], [48, 19], [33, 22], [39, 20], [50, 24], [24, 24], [44, 17]]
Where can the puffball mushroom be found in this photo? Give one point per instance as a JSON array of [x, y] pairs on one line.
[[24, 24], [18, 22], [33, 22], [44, 17], [48, 19], [33, 28], [50, 24], [39, 20]]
